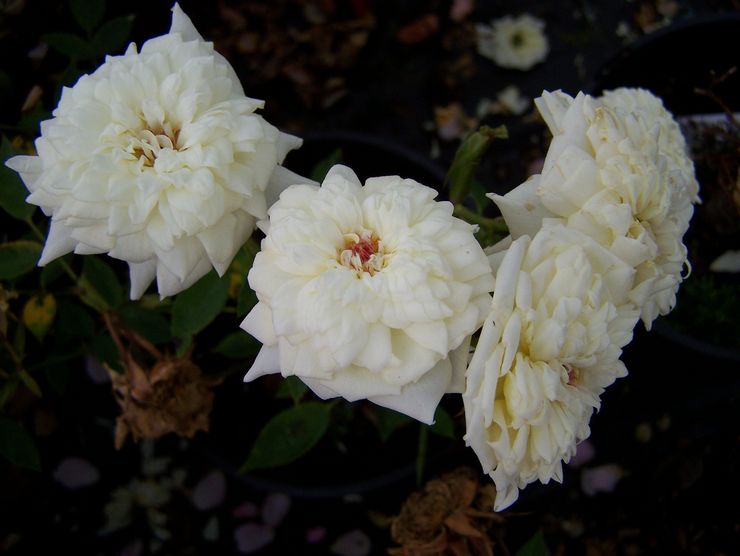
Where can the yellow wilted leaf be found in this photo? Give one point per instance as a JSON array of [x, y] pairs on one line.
[[38, 314]]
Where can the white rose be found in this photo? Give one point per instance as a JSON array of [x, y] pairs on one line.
[[609, 174], [517, 43], [157, 158], [368, 292], [550, 345]]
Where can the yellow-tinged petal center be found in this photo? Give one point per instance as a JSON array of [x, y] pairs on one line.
[[146, 144]]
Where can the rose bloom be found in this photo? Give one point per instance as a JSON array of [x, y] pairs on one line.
[[608, 174], [368, 292], [515, 43], [157, 158], [549, 347]]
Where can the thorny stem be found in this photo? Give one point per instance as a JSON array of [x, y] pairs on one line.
[[142, 342], [115, 336]]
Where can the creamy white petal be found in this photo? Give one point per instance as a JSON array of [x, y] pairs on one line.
[[367, 289], [156, 155], [142, 274]]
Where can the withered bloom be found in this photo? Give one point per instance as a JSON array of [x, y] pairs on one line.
[[172, 396], [442, 519]]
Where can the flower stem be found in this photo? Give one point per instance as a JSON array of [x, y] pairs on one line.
[[494, 224]]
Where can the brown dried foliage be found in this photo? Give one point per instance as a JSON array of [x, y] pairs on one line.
[[447, 517], [170, 396]]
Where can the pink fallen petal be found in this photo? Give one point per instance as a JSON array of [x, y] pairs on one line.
[[585, 452], [315, 534], [210, 492], [600, 479], [275, 508], [251, 537], [246, 510], [75, 473], [353, 543]]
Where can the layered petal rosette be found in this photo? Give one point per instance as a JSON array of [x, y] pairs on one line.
[[616, 169], [549, 346], [368, 292], [157, 158]]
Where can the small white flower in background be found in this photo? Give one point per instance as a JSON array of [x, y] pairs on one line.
[[158, 159], [368, 292], [509, 100], [549, 347], [514, 42], [617, 169]]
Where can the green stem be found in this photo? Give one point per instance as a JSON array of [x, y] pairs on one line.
[[494, 224]]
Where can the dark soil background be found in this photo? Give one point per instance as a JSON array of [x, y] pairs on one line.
[[395, 85]]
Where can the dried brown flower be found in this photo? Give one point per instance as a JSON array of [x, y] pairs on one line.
[[172, 396], [442, 519]]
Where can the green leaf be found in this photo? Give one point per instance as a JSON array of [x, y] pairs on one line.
[[88, 13], [105, 350], [246, 300], [388, 421], [323, 166], [101, 289], [467, 158], [73, 321], [196, 307], [535, 546], [12, 191], [68, 79], [38, 314], [288, 435], [293, 388], [443, 424], [72, 46], [152, 325], [17, 446], [112, 36], [17, 258], [51, 272], [238, 345], [30, 382]]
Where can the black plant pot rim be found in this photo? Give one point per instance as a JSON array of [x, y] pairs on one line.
[[629, 50], [665, 329], [380, 142]]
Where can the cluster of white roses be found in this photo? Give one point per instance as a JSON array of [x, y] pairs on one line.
[[375, 291], [596, 244]]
